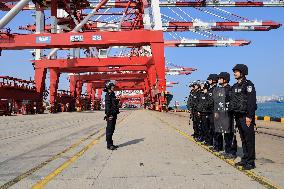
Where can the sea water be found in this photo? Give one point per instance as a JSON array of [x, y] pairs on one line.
[[271, 109]]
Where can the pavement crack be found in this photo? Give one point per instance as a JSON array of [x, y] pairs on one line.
[[103, 167]]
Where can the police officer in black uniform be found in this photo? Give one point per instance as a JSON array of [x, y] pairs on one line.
[[111, 111], [243, 104], [189, 100], [193, 101], [224, 118], [213, 81], [204, 109]]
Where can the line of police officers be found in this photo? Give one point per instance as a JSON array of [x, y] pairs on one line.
[[218, 110]]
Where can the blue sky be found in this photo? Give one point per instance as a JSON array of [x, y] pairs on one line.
[[264, 56]]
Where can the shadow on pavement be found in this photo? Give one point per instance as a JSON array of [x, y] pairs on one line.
[[131, 142]]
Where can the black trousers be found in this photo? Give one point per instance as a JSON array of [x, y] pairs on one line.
[[230, 143], [210, 131], [110, 130], [204, 126], [247, 135], [218, 141], [195, 122]]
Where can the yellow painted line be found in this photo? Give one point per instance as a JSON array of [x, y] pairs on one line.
[[260, 179], [41, 165], [67, 163]]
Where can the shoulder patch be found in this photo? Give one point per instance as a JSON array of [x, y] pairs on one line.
[[249, 89]]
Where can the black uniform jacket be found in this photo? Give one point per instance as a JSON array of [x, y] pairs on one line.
[[246, 87], [111, 104]]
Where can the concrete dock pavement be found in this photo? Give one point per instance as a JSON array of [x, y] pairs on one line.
[[151, 155], [269, 148]]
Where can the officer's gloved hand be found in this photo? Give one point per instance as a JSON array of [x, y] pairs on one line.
[[255, 128], [248, 121], [110, 117]]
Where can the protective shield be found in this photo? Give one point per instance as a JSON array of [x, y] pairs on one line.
[[222, 118]]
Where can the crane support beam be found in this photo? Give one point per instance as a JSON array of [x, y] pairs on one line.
[[187, 3], [104, 69], [123, 4], [80, 40], [180, 26], [97, 77], [93, 62], [206, 43]]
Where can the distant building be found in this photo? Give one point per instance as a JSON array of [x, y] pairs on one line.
[[273, 98]]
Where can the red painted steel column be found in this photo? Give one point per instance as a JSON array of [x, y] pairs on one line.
[[152, 82], [72, 85], [93, 97], [89, 90], [79, 87], [158, 56], [54, 8], [100, 92], [40, 75], [146, 91], [54, 80], [72, 92]]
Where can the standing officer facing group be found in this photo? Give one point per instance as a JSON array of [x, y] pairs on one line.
[[111, 111], [217, 110]]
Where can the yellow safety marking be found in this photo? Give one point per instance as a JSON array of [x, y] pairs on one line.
[[66, 164], [41, 165], [260, 179], [266, 118]]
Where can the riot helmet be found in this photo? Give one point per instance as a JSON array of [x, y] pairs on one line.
[[242, 68], [225, 76], [109, 85]]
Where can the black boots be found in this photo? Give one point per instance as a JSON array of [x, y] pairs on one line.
[[113, 147]]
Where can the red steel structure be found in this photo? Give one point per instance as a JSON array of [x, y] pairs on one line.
[[137, 34], [20, 94]]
